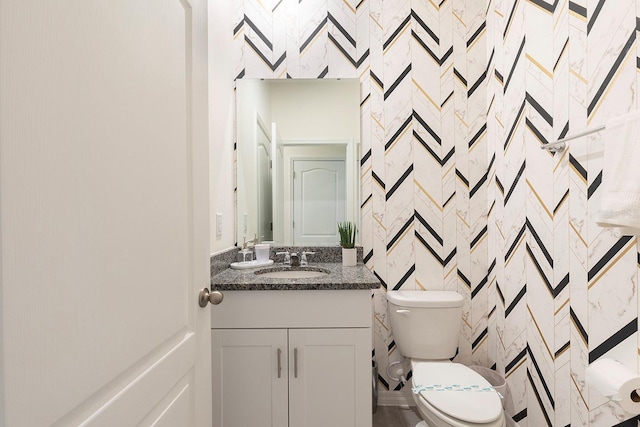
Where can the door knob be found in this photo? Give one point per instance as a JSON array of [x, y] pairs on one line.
[[214, 297]]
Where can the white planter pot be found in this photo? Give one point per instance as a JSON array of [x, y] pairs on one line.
[[349, 256]]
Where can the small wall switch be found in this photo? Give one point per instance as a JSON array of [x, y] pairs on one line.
[[218, 224], [246, 222]]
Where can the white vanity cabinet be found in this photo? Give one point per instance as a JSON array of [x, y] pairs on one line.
[[292, 359]]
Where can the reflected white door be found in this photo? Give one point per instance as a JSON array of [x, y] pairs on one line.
[[103, 213], [318, 201]]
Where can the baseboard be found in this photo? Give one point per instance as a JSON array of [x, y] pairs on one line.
[[394, 398]]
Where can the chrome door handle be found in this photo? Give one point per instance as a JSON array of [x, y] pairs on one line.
[[295, 363], [213, 297]]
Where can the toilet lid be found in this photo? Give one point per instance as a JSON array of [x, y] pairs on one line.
[[457, 391]]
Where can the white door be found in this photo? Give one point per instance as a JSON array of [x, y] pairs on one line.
[[103, 213], [330, 377], [318, 201], [251, 366]]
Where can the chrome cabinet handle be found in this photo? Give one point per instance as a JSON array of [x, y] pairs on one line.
[[213, 297], [295, 363], [279, 363]]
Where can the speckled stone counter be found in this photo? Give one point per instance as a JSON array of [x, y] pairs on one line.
[[339, 277]]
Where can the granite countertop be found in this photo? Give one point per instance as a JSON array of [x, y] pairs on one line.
[[339, 278]]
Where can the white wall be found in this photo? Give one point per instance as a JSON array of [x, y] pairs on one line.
[[221, 123]]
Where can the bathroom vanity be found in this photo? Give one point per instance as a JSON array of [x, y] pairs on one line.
[[293, 352]]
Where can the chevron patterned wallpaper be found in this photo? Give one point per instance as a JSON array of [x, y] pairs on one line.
[[457, 96]]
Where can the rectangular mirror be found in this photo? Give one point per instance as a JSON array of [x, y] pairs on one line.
[[298, 159]]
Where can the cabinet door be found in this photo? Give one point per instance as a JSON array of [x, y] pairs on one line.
[[249, 389], [330, 377]]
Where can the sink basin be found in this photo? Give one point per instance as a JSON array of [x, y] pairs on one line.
[[306, 273]]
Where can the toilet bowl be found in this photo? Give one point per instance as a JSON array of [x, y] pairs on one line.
[[425, 326], [463, 398]]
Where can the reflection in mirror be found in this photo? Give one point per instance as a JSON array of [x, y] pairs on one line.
[[298, 151]]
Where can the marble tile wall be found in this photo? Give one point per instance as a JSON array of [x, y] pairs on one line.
[[457, 96]]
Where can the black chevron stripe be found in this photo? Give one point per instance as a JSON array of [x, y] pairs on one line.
[[459, 76], [340, 28], [578, 9], [515, 242], [397, 31], [615, 339], [539, 399], [537, 238], [365, 157], [546, 6], [479, 185], [612, 72], [499, 76], [534, 362], [536, 264], [430, 229], [492, 266], [391, 345], [431, 53], [560, 286], [368, 256], [378, 180], [259, 33], [561, 202], [368, 199], [422, 142], [578, 167], [631, 422], [432, 251], [491, 313], [238, 27], [478, 340], [324, 72], [462, 277], [516, 360], [366, 98], [399, 80], [594, 15], [500, 294], [510, 19], [564, 49], [240, 75], [400, 232], [399, 132], [424, 26], [359, 4], [515, 301], [578, 325], [449, 199], [446, 100], [255, 48], [594, 185], [315, 32], [515, 123], [562, 349], [499, 184], [617, 247], [376, 80], [478, 134], [535, 131], [515, 182], [478, 237], [398, 183], [475, 35], [516, 61], [543, 113], [479, 286], [478, 82], [342, 50], [464, 180], [521, 416], [426, 127], [382, 282], [384, 382], [405, 277]]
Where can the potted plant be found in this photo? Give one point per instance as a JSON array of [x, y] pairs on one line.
[[347, 231]]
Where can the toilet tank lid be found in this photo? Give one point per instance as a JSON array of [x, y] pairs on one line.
[[425, 298]]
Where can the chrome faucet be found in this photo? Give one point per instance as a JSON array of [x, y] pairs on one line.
[[287, 257], [295, 259]]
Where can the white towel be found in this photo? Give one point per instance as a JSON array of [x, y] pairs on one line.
[[620, 206]]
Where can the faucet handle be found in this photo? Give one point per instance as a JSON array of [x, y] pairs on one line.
[[303, 258], [287, 257]]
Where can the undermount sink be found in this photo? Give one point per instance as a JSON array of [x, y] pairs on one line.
[[302, 273]]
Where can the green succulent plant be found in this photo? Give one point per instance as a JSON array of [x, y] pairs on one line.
[[347, 230]]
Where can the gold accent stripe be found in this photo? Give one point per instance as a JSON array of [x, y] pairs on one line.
[[391, 147], [374, 20], [539, 65], [421, 285], [482, 33], [475, 144], [365, 172], [349, 6], [578, 76], [560, 160], [376, 121], [540, 332], [366, 70], [613, 81], [580, 17], [579, 392], [395, 245], [462, 219], [578, 174], [497, 12], [573, 227], [480, 344], [564, 6], [380, 322], [426, 193], [477, 245], [455, 15], [535, 193], [630, 245], [515, 368], [555, 313], [522, 239], [426, 95], [446, 70], [379, 223], [459, 117], [312, 42], [450, 271], [398, 37]]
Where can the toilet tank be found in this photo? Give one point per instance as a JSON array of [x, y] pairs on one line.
[[425, 324]]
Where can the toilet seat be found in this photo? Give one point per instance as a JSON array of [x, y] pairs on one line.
[[456, 391]]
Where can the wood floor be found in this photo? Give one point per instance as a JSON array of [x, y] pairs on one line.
[[396, 416]]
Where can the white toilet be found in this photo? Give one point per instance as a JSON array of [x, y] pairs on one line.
[[425, 326]]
